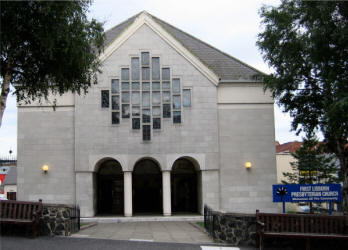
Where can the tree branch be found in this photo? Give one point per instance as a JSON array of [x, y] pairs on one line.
[[5, 90]]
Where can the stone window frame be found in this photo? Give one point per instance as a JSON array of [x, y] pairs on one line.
[[122, 91], [131, 90], [191, 96], [110, 78], [101, 99], [170, 94], [181, 100]]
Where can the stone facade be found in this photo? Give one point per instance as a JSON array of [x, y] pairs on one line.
[[227, 124]]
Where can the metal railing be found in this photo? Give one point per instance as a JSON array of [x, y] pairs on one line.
[[75, 218], [209, 220]]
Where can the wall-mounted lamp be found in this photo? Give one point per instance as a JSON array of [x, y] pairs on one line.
[[248, 165], [44, 169]]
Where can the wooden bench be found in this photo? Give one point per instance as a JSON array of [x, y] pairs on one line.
[[305, 226], [21, 212]]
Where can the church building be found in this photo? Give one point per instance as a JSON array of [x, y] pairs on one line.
[[172, 124]]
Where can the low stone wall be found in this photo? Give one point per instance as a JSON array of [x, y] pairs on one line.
[[231, 228], [235, 228], [57, 219]]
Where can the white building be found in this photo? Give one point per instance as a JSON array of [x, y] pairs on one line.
[[168, 128]]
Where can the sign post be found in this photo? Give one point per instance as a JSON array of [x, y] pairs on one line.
[[307, 193]]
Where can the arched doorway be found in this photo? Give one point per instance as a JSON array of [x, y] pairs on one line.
[[110, 188], [147, 187], [185, 181]]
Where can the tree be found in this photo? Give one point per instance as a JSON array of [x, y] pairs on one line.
[[47, 47], [306, 43], [312, 164]]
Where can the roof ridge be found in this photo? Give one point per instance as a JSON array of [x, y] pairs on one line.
[[209, 45]]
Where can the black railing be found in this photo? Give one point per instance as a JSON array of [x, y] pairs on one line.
[[209, 220], [75, 218]]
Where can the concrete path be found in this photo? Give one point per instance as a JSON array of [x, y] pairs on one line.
[[179, 232], [68, 243]]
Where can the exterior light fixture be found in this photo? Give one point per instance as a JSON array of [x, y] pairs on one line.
[[248, 165], [44, 169]]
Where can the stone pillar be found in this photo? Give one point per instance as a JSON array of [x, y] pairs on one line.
[[128, 206], [167, 209]]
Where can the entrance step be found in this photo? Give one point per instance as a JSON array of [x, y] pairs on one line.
[[113, 219]]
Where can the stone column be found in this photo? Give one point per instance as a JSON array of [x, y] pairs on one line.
[[167, 209], [128, 206]]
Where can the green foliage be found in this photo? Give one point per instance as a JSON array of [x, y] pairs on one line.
[[312, 165], [48, 46], [306, 43]]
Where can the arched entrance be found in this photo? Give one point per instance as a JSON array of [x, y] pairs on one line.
[[185, 181], [147, 187], [110, 188]]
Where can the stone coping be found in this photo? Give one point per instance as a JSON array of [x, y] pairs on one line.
[[234, 214], [58, 205]]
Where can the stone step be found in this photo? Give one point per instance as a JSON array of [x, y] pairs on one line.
[[120, 219]]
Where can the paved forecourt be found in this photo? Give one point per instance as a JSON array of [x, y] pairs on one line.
[[152, 231]]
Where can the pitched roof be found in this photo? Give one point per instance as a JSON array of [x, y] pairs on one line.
[[11, 176], [224, 65], [289, 147]]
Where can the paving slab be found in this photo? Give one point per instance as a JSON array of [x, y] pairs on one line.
[[156, 231]]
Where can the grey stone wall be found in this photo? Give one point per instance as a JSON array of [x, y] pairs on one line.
[[246, 134], [57, 220], [46, 137]]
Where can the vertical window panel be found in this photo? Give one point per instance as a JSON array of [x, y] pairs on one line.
[[115, 86], [155, 68], [136, 111], [156, 111], [125, 111], [135, 86], [115, 117], [176, 117], [125, 74], [166, 85], [146, 133], [165, 74], [186, 95], [166, 96], [145, 58], [136, 98], [105, 98], [156, 124], [146, 115], [156, 86], [146, 99], [176, 102], [145, 73], [176, 85], [136, 123], [115, 102], [166, 110], [125, 97], [135, 68], [156, 97], [125, 86], [146, 86]]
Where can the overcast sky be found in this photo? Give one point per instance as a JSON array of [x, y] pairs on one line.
[[231, 26]]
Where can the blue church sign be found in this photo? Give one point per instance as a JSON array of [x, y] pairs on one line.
[[307, 193]]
